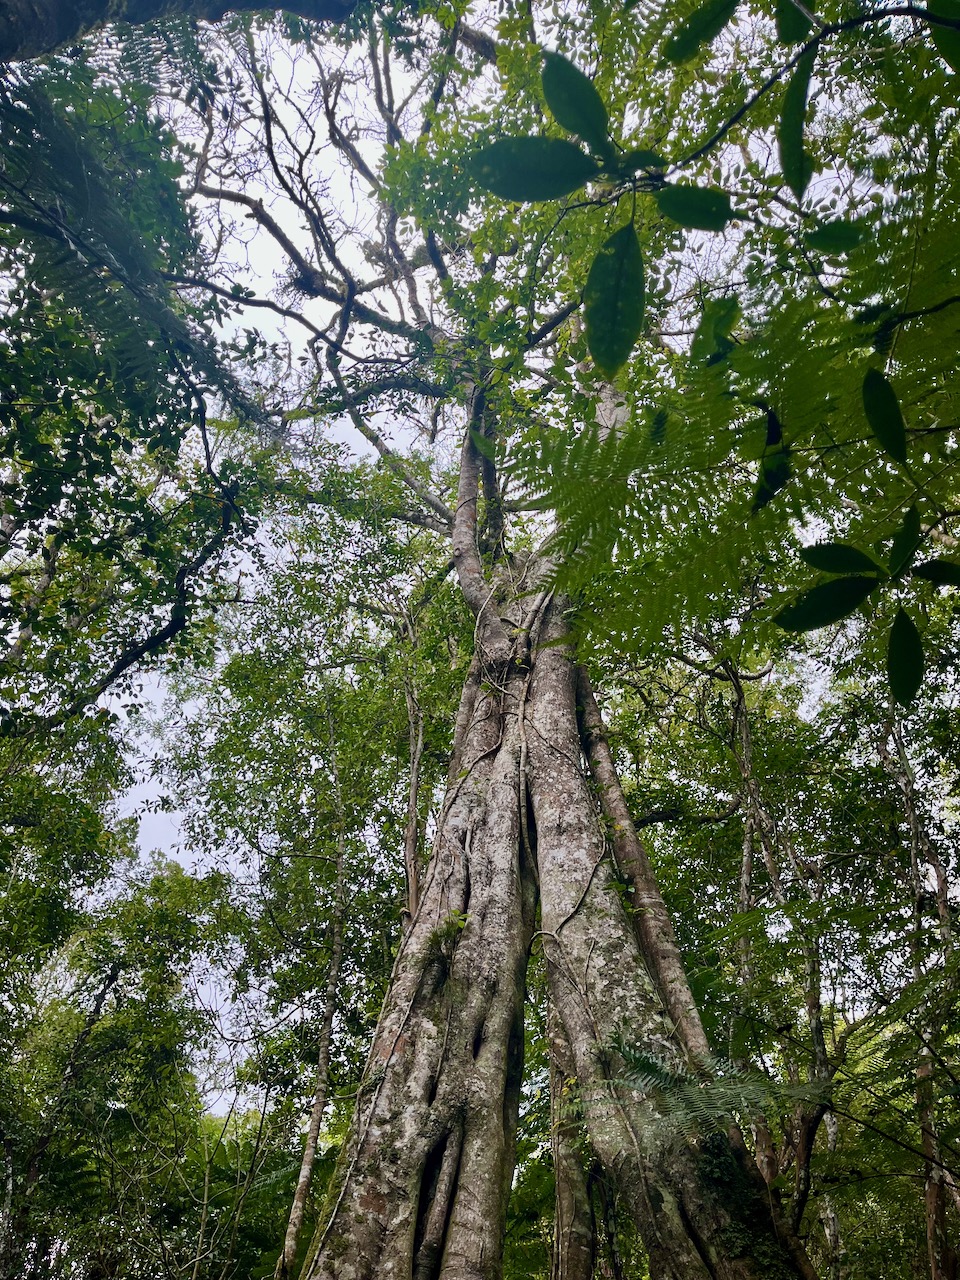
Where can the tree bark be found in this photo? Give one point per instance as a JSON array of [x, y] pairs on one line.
[[423, 1186], [31, 28], [425, 1175], [574, 1229], [654, 927], [699, 1202]]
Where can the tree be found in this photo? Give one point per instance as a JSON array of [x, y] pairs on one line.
[[459, 317], [427, 1169]]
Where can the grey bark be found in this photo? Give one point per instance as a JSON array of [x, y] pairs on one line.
[[425, 1175], [32, 28], [699, 1202], [423, 1186], [654, 927]]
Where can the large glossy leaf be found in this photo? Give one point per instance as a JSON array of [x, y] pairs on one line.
[[794, 161], [945, 573], [825, 603], [613, 300], [946, 39], [906, 542], [775, 471], [641, 158], [574, 101], [839, 557], [835, 237], [702, 26], [698, 208], [904, 658], [792, 25], [882, 408], [532, 168]]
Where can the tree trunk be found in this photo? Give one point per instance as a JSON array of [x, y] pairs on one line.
[[31, 28], [699, 1202], [425, 1175]]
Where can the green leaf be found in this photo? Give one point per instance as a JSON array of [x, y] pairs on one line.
[[532, 168], [574, 101], [904, 658], [613, 300], [835, 237], [825, 603], [946, 40], [839, 557], [945, 573], [640, 158], [775, 471], [905, 542], [882, 408], [712, 342], [702, 26], [792, 25], [698, 208], [796, 164]]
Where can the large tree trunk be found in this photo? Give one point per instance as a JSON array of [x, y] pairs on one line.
[[31, 28], [700, 1204], [424, 1178], [426, 1173]]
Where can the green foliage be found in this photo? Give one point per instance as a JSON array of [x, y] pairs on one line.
[[904, 658], [703, 25], [532, 168], [574, 101], [697, 208], [115, 520], [825, 603], [785, 403], [796, 164], [613, 300], [883, 414]]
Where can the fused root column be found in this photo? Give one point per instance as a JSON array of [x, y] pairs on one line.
[[700, 1207], [423, 1182]]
